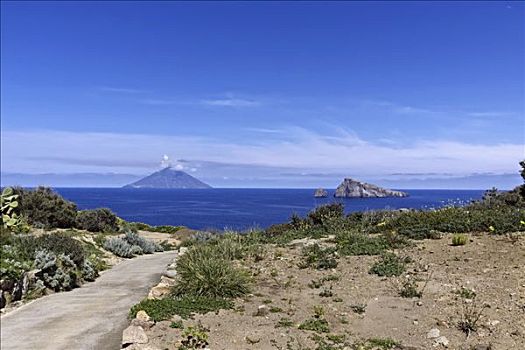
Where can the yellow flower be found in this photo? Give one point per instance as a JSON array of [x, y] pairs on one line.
[[491, 228]]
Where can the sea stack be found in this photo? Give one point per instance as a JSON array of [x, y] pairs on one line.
[[351, 188], [169, 178], [320, 193]]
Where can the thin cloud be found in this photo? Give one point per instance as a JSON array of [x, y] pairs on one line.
[[231, 102], [121, 90], [265, 130], [158, 102], [300, 149]]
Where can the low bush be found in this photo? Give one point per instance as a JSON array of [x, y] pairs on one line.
[[352, 243], [459, 239], [131, 245], [97, 220], [164, 309], [162, 228], [315, 324], [119, 247], [202, 271], [409, 289], [60, 243], [318, 257], [324, 215], [44, 208], [57, 272], [389, 265], [147, 246]]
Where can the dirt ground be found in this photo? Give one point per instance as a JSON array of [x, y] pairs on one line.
[[491, 266]]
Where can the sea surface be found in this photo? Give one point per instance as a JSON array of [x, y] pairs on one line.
[[240, 209]]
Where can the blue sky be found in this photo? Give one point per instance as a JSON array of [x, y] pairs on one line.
[[264, 94]]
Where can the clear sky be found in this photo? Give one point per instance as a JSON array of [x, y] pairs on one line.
[[266, 93]]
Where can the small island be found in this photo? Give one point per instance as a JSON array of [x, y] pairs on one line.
[[321, 193], [351, 188]]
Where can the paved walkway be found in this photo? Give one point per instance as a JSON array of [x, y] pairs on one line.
[[90, 317]]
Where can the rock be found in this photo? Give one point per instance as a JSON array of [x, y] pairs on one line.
[[433, 333], [159, 291], [170, 273], [176, 318], [183, 250], [143, 316], [141, 323], [134, 335], [419, 303], [167, 280], [353, 188], [494, 323], [262, 310], [443, 341], [321, 193]]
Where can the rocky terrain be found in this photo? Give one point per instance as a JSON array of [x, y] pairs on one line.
[[168, 178], [347, 307], [352, 188]]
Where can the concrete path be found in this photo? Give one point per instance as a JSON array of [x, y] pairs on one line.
[[90, 317]]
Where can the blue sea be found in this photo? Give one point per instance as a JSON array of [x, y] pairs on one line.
[[240, 209]]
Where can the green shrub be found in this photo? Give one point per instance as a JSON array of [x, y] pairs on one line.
[[203, 272], [409, 289], [119, 247], [389, 265], [318, 257], [379, 343], [352, 243], [164, 309], [284, 322], [318, 325], [12, 266], [97, 220], [326, 214], [57, 272], [162, 228], [45, 208], [131, 245], [146, 245], [459, 239], [60, 243]]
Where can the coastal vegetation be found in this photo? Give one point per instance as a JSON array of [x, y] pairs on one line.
[[47, 245], [329, 280]]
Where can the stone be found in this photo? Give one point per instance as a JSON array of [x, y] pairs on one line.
[[419, 303], [183, 250], [159, 291], [141, 323], [321, 193], [262, 310], [176, 318], [433, 333], [143, 316], [170, 273], [167, 280], [350, 188], [443, 341], [134, 335], [494, 323]]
